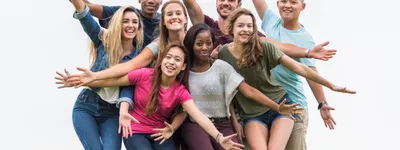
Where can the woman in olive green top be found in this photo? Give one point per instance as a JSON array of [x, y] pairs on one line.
[[253, 60]]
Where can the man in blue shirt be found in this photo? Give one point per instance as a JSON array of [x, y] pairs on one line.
[[287, 29]]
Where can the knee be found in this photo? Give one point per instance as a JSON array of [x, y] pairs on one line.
[[258, 146]]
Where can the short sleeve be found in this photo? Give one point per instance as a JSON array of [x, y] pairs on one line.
[[269, 20], [153, 46], [135, 76], [231, 78], [184, 95], [271, 54]]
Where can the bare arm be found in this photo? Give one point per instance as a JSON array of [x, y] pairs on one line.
[[261, 6], [316, 88], [178, 120], [79, 5], [194, 10], [120, 81], [140, 61], [289, 49], [200, 118], [304, 71], [257, 96], [95, 9]]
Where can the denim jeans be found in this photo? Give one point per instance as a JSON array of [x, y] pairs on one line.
[[145, 142], [96, 122], [268, 118]]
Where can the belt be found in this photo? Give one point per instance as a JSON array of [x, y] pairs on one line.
[[219, 120]]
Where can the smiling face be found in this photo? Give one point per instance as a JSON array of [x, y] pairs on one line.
[[203, 46], [290, 9], [149, 7], [173, 63], [130, 25], [243, 28], [174, 17], [225, 7]]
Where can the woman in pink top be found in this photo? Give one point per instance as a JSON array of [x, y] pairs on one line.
[[158, 93]]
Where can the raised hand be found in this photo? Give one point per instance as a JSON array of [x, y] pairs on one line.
[[214, 53], [82, 79], [228, 144], [325, 112], [62, 79], [319, 52], [125, 120], [288, 110], [342, 89], [163, 133]]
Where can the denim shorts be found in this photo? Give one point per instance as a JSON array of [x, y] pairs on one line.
[[270, 116]]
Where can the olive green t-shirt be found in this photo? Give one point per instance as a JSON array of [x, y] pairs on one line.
[[257, 76]]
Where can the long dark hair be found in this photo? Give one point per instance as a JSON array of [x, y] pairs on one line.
[[252, 51], [191, 35], [182, 77]]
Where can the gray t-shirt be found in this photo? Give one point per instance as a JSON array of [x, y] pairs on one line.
[[214, 89], [259, 77]]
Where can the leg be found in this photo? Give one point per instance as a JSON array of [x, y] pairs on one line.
[[109, 133], [86, 127], [256, 135], [279, 133], [195, 137], [137, 142], [167, 145], [226, 128], [297, 140]]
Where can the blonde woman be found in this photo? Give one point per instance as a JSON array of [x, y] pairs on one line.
[[95, 115]]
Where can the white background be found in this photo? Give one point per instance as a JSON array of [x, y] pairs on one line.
[[39, 38]]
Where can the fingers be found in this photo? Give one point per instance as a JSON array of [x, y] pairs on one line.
[[163, 141], [133, 119], [230, 136], [283, 102], [119, 129], [81, 69], [237, 145], [61, 75], [66, 72], [324, 44], [169, 125], [156, 134]]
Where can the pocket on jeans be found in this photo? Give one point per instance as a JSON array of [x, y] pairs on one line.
[[81, 98]]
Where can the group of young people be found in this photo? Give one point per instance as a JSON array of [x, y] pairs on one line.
[[158, 85]]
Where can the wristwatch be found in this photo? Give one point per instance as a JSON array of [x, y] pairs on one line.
[[321, 104]]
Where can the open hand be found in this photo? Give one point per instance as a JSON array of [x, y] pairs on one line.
[[228, 144], [62, 79], [125, 127], [289, 109], [82, 79], [325, 112], [319, 52], [163, 133], [342, 89]]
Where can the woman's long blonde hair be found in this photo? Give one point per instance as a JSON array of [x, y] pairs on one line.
[[252, 51], [111, 37], [163, 29]]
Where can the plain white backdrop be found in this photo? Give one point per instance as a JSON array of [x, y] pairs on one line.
[[39, 38]]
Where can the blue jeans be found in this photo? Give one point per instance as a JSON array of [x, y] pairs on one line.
[[270, 116], [96, 122], [145, 142]]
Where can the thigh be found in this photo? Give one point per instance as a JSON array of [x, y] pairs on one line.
[[279, 133], [166, 145], [297, 140], [195, 137], [137, 142], [86, 128], [256, 134], [226, 128], [109, 133]]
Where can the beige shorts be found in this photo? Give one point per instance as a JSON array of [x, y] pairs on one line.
[[297, 139]]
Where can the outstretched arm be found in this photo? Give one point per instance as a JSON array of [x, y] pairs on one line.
[[319, 95], [257, 96], [317, 52], [308, 73], [261, 6], [194, 10]]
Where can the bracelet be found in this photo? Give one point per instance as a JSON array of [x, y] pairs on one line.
[[306, 53], [217, 138], [321, 104]]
